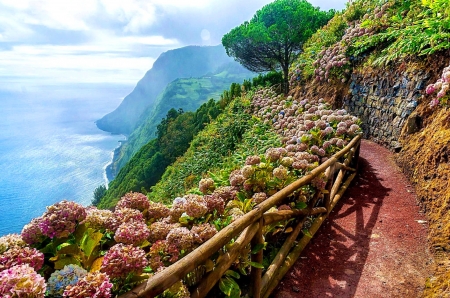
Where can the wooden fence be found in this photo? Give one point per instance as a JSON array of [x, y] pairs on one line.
[[340, 170]]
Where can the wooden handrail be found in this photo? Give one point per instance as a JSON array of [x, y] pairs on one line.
[[172, 274]]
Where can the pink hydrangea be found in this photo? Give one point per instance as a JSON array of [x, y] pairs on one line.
[[21, 281], [94, 284], [61, 219], [259, 197], [31, 233], [122, 260], [21, 255], [123, 215], [159, 230], [206, 185], [195, 206], [157, 210], [10, 241], [203, 232], [215, 203], [181, 238], [134, 200], [252, 160], [162, 254], [236, 178], [280, 173], [97, 218], [132, 232]]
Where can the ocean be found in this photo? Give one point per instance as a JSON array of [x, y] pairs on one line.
[[51, 149]]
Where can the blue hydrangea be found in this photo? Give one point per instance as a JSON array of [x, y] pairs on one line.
[[60, 279]]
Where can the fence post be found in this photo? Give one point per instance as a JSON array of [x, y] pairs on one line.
[[256, 273]]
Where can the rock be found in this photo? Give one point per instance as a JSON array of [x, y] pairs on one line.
[[413, 123]]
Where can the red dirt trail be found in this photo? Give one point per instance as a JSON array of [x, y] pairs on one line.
[[372, 245]]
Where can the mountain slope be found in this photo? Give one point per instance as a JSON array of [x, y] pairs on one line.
[[191, 61], [184, 93]]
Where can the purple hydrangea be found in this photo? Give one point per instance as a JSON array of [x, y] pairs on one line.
[[31, 233], [123, 215]]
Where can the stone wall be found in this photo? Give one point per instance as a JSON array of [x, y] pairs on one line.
[[384, 101]]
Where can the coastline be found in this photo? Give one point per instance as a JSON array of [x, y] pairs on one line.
[[107, 168]]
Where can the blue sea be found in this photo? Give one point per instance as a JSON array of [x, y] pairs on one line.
[[51, 149]]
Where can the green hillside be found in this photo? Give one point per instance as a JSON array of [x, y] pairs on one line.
[[183, 93]]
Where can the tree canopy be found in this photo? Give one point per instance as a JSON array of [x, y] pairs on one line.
[[274, 37]]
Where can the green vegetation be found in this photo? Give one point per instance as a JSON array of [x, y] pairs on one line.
[[274, 37], [185, 93]]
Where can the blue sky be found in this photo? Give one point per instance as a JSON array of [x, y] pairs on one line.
[[48, 42]]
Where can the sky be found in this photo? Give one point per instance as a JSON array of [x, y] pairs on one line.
[[51, 42]]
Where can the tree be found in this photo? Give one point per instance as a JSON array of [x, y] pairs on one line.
[[274, 37], [99, 193]]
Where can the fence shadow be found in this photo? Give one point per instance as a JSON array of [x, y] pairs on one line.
[[332, 264]]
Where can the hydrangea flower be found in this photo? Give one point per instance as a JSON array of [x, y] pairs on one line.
[[31, 233], [132, 232], [195, 206], [61, 219], [259, 197], [280, 173], [94, 284], [162, 253], [97, 218], [178, 208], [236, 178], [60, 279], [123, 215], [134, 200], [181, 238], [157, 210], [9, 241], [203, 232], [206, 185], [21, 255], [159, 230], [252, 160], [122, 260], [215, 203], [21, 281]]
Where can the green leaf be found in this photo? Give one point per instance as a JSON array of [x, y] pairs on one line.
[[229, 287], [59, 264], [241, 196], [232, 274], [257, 265], [300, 205], [307, 233], [79, 233], [69, 249], [91, 240], [257, 248]]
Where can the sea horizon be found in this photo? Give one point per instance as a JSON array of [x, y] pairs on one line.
[[51, 149]]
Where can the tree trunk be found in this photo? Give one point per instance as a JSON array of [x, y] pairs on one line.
[[285, 79]]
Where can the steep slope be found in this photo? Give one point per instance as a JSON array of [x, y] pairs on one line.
[[191, 61], [184, 93]]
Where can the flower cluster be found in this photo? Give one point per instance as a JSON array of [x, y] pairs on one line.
[[61, 219], [182, 238], [97, 218], [157, 210], [134, 200], [9, 241], [132, 232], [441, 86], [206, 185], [123, 215], [31, 233], [60, 279], [21, 255], [162, 253], [178, 208], [215, 203], [94, 284], [21, 281], [195, 206], [203, 232], [159, 230], [122, 260]]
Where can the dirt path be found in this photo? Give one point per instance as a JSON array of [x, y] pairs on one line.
[[372, 245]]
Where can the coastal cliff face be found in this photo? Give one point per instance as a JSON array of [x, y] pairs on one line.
[[191, 61]]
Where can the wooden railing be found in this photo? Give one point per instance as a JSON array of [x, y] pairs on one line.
[[340, 170]]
